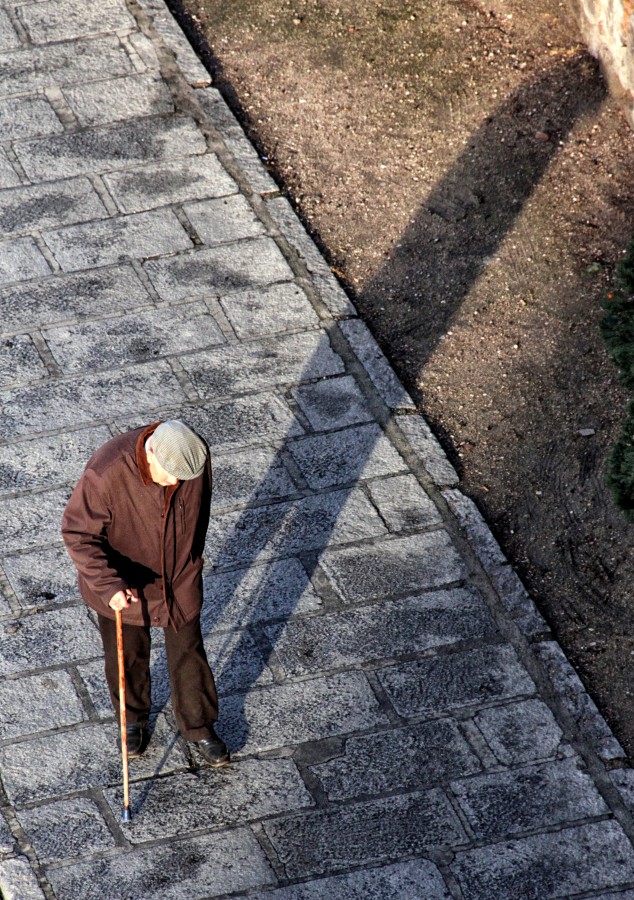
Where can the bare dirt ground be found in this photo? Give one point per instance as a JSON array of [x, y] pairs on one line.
[[470, 182]]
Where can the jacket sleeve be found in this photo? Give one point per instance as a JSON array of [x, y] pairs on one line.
[[203, 517], [85, 531]]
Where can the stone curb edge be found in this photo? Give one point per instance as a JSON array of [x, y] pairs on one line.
[[522, 609]]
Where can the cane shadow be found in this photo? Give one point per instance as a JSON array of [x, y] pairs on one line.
[[273, 549]]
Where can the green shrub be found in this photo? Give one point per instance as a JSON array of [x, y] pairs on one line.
[[617, 328]]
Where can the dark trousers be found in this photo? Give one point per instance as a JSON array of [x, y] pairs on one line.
[[194, 696]]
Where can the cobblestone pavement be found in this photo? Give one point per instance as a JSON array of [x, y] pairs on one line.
[[402, 723]]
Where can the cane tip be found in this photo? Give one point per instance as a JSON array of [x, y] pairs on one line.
[[125, 814]]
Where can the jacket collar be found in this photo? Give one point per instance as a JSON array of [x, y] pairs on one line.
[[141, 456]]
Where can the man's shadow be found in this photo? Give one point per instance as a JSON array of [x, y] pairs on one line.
[[456, 232]]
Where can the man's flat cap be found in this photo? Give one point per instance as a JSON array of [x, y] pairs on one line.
[[179, 450]]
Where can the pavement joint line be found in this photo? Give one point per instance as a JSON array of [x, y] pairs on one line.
[[193, 235], [268, 849], [7, 592], [83, 694], [16, 21], [104, 194], [17, 165], [182, 376], [13, 495], [62, 110], [134, 56], [46, 253], [216, 310], [45, 354]]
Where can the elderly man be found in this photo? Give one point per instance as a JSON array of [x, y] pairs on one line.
[[135, 529]]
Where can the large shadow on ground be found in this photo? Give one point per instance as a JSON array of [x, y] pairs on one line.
[[456, 232], [468, 213]]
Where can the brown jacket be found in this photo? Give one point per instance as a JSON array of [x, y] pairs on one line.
[[122, 530]]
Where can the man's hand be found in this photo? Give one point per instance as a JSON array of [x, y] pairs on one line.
[[122, 599]]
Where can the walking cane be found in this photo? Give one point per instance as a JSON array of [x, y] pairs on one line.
[[125, 813]]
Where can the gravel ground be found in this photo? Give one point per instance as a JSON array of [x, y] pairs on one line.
[[470, 182]]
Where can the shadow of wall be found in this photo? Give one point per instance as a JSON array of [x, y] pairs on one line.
[[467, 215]]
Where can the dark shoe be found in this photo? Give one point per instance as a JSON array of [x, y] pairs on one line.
[[214, 751], [135, 739]]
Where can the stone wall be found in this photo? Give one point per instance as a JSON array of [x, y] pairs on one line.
[[608, 27]]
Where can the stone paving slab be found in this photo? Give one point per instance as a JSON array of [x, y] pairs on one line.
[[61, 20], [66, 828], [102, 102], [85, 757], [555, 864], [286, 529], [70, 62], [141, 336], [191, 869], [396, 566], [403, 504], [253, 790], [506, 803], [26, 117], [332, 403], [157, 184], [250, 476], [24, 524], [222, 220], [38, 703], [117, 240], [230, 424], [45, 461], [276, 590], [389, 629], [364, 833], [20, 360], [42, 577], [294, 713], [233, 267], [282, 307], [65, 297], [18, 881], [82, 400], [451, 681], [258, 365], [403, 759], [343, 457], [21, 260], [520, 732], [104, 149], [43, 206], [50, 638], [402, 881]]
